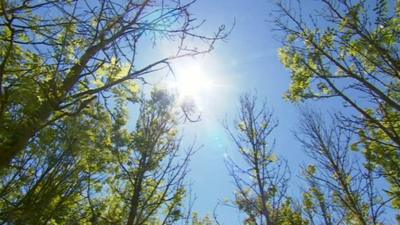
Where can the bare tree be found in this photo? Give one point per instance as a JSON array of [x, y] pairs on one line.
[[261, 179], [340, 189]]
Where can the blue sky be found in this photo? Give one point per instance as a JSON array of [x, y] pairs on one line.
[[247, 61]]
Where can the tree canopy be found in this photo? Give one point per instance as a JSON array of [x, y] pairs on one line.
[[71, 53], [85, 139], [351, 54]]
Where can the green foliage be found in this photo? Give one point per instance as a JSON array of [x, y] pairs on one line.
[[200, 221], [289, 216], [68, 70], [89, 169], [352, 53], [55, 169], [58, 57]]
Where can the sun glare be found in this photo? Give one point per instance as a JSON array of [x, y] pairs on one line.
[[191, 81]]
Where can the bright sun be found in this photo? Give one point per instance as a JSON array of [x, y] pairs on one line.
[[191, 81]]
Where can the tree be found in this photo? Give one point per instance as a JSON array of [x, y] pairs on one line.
[[47, 182], [149, 180], [340, 190], [261, 180], [58, 56], [107, 175], [350, 50], [200, 221]]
